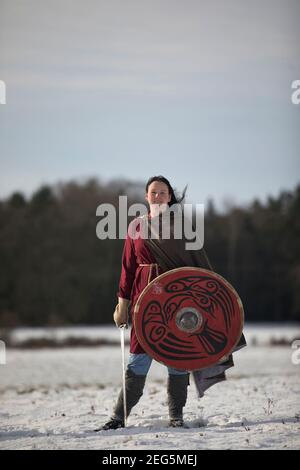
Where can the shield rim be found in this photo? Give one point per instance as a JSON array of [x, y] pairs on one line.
[[193, 268]]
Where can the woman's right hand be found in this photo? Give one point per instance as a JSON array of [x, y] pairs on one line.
[[121, 312]]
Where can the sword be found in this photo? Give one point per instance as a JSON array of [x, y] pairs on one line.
[[122, 329]]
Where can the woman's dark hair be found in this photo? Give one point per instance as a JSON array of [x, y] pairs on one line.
[[174, 199]]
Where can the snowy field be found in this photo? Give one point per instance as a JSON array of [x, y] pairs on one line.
[[54, 398], [257, 334]]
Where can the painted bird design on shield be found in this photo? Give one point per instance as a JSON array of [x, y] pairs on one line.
[[189, 318]]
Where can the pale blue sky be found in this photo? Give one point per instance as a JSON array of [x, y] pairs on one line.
[[199, 91]]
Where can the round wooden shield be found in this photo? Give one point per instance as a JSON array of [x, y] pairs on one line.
[[189, 318]]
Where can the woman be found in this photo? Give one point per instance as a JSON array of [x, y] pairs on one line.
[[139, 267], [143, 260]]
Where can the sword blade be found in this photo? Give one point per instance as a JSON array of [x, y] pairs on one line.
[[122, 329]]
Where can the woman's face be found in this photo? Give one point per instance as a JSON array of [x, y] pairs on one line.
[[158, 193]]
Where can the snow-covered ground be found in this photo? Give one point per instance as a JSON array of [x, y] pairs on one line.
[[257, 334], [54, 398]]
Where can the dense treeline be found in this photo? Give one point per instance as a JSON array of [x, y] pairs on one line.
[[54, 270]]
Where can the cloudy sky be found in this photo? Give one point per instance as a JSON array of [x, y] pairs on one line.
[[196, 90]]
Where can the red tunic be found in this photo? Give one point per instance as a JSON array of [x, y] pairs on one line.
[[134, 278]]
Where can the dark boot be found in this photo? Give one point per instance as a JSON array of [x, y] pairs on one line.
[[177, 395], [134, 391], [113, 423]]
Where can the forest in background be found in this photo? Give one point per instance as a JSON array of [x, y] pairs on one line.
[[55, 271]]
